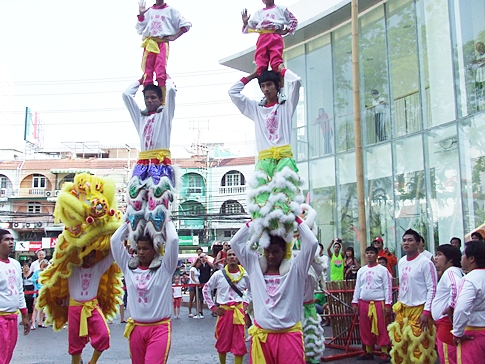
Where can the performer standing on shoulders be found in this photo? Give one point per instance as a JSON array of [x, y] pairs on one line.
[[151, 188], [232, 284], [11, 298]]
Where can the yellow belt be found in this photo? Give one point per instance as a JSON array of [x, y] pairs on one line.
[[159, 154], [238, 318], [9, 313], [151, 44], [260, 335], [276, 153], [261, 31], [372, 314], [474, 328], [130, 325], [86, 312]]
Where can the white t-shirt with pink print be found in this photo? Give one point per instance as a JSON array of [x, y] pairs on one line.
[[11, 287], [84, 282]]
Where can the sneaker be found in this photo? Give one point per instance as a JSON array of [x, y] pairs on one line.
[[201, 315], [190, 315], [384, 358], [196, 316], [32, 327], [366, 356]]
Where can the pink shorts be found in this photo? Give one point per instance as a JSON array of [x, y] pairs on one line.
[[150, 344], [177, 301], [98, 332]]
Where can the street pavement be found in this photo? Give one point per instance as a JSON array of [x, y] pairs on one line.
[[192, 342]]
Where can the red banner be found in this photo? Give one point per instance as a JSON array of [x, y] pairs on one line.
[[35, 245]]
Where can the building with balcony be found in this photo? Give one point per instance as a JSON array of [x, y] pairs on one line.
[[422, 102], [210, 204]]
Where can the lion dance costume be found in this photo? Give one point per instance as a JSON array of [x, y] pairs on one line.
[[87, 208]]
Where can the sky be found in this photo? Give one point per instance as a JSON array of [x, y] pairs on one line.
[[70, 62]]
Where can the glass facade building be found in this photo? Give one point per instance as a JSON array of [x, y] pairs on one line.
[[422, 84]]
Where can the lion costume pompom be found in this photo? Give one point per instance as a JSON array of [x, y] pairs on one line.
[[87, 207]]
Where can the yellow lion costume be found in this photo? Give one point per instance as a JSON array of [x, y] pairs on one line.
[[88, 209]]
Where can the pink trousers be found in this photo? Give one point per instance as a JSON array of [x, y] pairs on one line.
[[151, 344], [230, 337], [446, 352], [472, 351], [155, 65], [365, 325], [8, 337], [269, 51], [98, 333], [283, 348]]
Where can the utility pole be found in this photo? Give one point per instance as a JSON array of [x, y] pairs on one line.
[[359, 160]]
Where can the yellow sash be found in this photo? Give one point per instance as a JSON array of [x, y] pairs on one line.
[[276, 153], [260, 335], [261, 31], [159, 154], [9, 313], [238, 318], [130, 326], [372, 314], [86, 312], [151, 44]]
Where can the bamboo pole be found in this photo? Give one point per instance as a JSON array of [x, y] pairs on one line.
[[359, 161]]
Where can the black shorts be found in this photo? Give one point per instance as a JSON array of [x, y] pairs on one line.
[[29, 300]]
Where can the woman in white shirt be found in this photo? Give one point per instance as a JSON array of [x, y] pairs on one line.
[[193, 290]]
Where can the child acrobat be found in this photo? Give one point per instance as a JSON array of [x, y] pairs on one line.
[[158, 25], [271, 22]]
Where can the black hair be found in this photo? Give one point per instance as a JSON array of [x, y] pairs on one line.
[[321, 246], [451, 253], [4, 232], [456, 238], [383, 258], [476, 234], [155, 88], [270, 76], [476, 249], [350, 249], [277, 240], [145, 238], [415, 234], [371, 249]]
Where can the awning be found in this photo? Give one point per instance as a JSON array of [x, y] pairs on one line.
[[70, 170]]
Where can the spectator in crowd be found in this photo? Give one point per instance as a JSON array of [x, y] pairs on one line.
[[36, 263], [336, 260], [37, 286], [391, 259], [28, 284], [476, 236], [232, 284], [351, 264], [456, 242], [220, 261], [383, 261], [195, 291], [177, 296], [448, 265], [11, 298], [322, 259], [423, 251], [469, 315], [413, 332], [372, 302]]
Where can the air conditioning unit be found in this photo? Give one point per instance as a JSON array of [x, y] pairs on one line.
[[56, 193], [39, 224], [48, 193], [27, 225], [16, 225]]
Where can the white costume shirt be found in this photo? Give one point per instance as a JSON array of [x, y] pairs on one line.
[[446, 291], [161, 22], [225, 293], [470, 302], [427, 254], [272, 124], [417, 281], [154, 130], [149, 291], [311, 281], [373, 283], [11, 286], [84, 282], [277, 300], [276, 17]]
